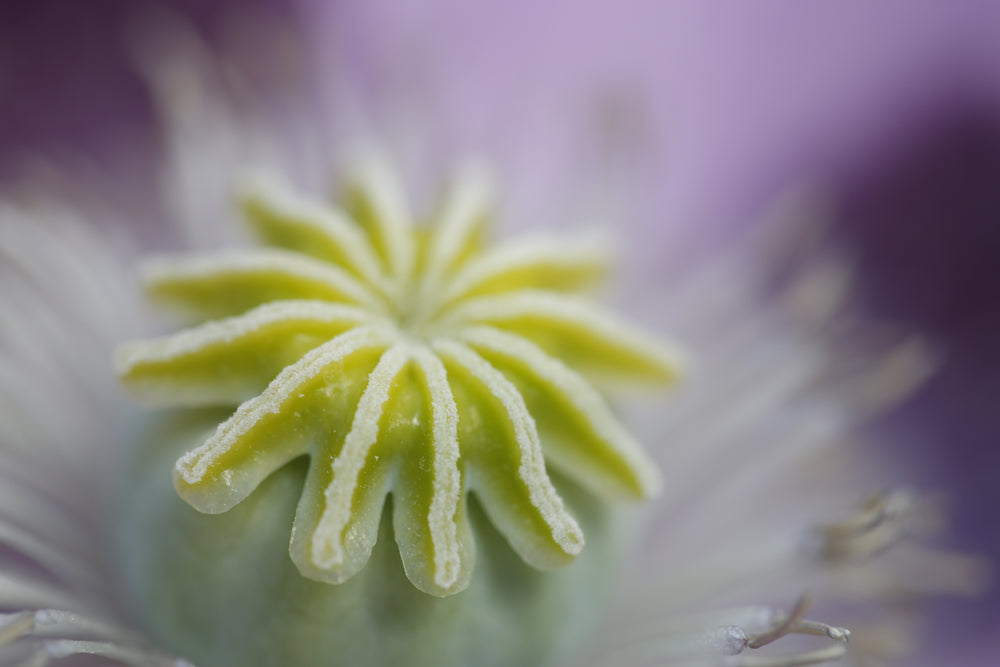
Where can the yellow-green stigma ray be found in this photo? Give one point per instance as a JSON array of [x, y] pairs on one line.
[[604, 454], [447, 477], [283, 220], [226, 361], [403, 362], [375, 197], [328, 541], [255, 441], [229, 283], [577, 331], [563, 529], [536, 262], [465, 212]]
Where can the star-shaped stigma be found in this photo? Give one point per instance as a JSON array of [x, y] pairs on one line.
[[404, 360]]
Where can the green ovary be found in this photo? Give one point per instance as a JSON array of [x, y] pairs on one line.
[[221, 590]]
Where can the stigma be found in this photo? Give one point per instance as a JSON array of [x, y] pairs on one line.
[[406, 361]]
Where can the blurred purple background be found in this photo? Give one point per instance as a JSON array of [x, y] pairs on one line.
[[894, 107], [925, 222], [69, 88]]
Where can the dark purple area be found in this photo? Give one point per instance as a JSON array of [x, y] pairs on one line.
[[67, 85], [62, 84], [926, 222]]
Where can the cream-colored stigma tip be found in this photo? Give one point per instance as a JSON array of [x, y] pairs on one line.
[[403, 360]]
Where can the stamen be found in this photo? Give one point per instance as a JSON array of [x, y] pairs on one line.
[[881, 522], [13, 626], [890, 522], [64, 648], [53, 634], [816, 296], [818, 657], [70, 569], [18, 591], [784, 627], [796, 623], [894, 376], [723, 637]]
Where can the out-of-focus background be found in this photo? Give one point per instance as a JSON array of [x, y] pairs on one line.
[[706, 113]]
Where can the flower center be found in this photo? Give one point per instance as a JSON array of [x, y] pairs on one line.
[[478, 374]]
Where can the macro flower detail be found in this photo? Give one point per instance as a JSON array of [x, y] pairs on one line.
[[404, 360]]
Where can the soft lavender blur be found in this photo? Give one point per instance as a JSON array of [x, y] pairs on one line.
[[725, 104], [698, 115]]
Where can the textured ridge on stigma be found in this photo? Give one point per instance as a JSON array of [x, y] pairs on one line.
[[401, 361]]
